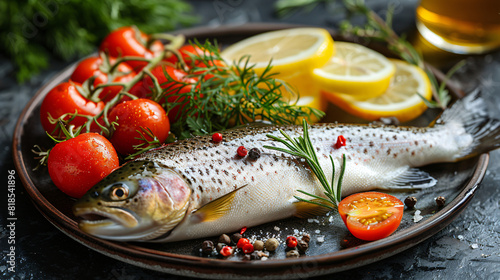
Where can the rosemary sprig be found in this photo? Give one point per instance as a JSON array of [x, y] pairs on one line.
[[302, 147], [379, 29], [229, 95]]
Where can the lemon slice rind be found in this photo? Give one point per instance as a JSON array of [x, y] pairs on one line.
[[392, 103], [355, 70], [291, 50]]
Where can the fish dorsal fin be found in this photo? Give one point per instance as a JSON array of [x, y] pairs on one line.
[[216, 208], [306, 210], [413, 178]]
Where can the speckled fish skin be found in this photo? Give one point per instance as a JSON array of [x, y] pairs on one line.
[[377, 157]]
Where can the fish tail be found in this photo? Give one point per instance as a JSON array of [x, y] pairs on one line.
[[471, 113]]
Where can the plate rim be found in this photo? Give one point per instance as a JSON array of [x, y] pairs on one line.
[[183, 264]]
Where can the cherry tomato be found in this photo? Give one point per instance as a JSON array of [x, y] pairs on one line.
[[371, 215], [144, 88], [63, 99], [125, 41], [94, 67], [133, 115], [188, 51], [77, 164]]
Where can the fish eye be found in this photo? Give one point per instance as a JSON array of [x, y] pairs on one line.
[[119, 191]]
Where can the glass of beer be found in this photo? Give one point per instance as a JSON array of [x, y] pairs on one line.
[[460, 26]]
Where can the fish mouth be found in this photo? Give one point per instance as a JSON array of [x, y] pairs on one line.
[[93, 218]]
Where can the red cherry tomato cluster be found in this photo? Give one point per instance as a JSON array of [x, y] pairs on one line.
[[121, 102]]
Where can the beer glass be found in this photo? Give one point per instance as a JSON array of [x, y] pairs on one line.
[[460, 26]]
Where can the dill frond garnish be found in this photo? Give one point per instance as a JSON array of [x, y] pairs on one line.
[[229, 95]]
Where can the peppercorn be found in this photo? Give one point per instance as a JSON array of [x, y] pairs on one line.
[[242, 151], [216, 137], [291, 241], [207, 247], [258, 245], [306, 237], [247, 248], [302, 246], [227, 251], [236, 237], [410, 202], [272, 244], [225, 239], [254, 154], [292, 254], [220, 246], [440, 201], [242, 242]]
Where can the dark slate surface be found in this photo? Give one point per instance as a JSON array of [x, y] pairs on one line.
[[468, 248]]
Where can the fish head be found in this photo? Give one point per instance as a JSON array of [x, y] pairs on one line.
[[140, 201]]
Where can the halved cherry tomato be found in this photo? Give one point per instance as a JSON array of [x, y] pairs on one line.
[[77, 164], [371, 215], [64, 99], [125, 41], [131, 117], [144, 88], [95, 67]]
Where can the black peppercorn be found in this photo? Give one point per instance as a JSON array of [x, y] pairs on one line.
[[410, 202], [254, 154], [302, 246], [236, 237], [225, 239], [440, 201], [207, 247]]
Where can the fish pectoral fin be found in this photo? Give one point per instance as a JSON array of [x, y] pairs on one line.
[[305, 210], [216, 208], [412, 178]]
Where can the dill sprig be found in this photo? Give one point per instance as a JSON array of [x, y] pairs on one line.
[[302, 147], [379, 29], [225, 96]]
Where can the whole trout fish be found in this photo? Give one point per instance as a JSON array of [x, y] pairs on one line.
[[197, 188]]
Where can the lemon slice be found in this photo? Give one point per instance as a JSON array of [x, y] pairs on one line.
[[355, 70], [291, 50], [400, 100]]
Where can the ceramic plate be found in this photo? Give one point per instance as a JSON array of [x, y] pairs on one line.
[[332, 248]]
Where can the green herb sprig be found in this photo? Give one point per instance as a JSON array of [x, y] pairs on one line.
[[302, 147], [33, 31], [379, 29], [230, 95]]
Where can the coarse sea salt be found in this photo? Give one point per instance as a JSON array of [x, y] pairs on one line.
[[417, 217], [321, 238]]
